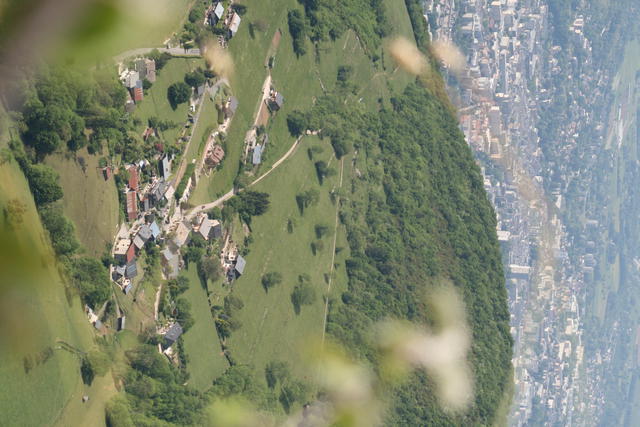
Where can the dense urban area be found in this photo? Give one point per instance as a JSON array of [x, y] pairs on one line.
[[219, 209], [549, 105]]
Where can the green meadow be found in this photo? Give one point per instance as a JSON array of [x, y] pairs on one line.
[[89, 201], [206, 361], [271, 330], [40, 378]]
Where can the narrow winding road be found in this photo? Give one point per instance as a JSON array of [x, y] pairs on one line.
[[231, 193]]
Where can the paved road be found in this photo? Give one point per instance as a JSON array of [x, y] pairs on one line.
[[176, 51]]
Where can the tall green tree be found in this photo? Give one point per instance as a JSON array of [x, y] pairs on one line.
[[43, 182], [178, 93]]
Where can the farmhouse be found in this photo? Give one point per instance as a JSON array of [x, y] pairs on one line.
[[118, 272], [146, 69], [275, 101], [214, 156], [144, 233], [131, 253], [205, 228], [216, 229], [132, 183], [120, 251], [230, 107], [156, 192], [132, 205], [233, 25], [182, 235], [138, 92], [257, 155], [155, 230], [165, 167], [130, 78], [138, 242], [172, 335], [239, 267], [131, 270], [214, 14], [171, 263], [106, 173]]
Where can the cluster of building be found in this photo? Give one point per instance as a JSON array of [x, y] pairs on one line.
[[229, 19], [128, 247], [505, 42], [132, 79], [156, 218]]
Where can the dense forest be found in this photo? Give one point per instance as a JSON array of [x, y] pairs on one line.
[[417, 216]]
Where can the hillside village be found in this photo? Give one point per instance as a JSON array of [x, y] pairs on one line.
[[156, 189]]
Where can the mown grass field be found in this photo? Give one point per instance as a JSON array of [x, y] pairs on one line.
[[36, 314], [206, 361], [155, 102], [270, 328], [89, 201]]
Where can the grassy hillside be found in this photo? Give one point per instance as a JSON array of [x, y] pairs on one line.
[[271, 329], [417, 215], [299, 78], [39, 313], [89, 201], [206, 361], [155, 103]]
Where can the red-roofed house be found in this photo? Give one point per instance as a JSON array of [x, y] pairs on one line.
[[133, 177], [138, 94], [106, 172], [131, 253], [132, 205]]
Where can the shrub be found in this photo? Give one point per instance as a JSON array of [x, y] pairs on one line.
[[270, 280]]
